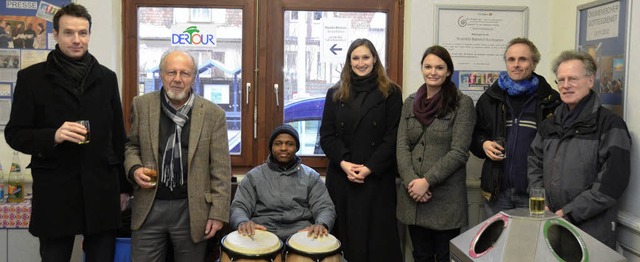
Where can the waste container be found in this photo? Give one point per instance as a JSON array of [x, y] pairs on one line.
[[514, 235]]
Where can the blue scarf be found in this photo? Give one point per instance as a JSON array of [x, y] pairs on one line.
[[513, 88]]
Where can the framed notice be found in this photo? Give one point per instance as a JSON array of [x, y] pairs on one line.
[[602, 29], [476, 37]]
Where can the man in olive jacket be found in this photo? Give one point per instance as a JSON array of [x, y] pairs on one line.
[[185, 137]]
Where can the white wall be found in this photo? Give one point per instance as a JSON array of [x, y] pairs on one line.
[[419, 33]]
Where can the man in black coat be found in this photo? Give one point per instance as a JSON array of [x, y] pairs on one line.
[[75, 185]]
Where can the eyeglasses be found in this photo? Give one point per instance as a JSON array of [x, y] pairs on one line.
[[572, 80], [182, 74]]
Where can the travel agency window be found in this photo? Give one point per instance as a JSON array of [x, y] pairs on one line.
[[261, 78]]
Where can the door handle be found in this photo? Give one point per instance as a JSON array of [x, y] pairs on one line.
[[275, 91], [248, 87]]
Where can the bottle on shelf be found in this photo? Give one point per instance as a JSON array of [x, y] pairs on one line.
[[1, 185], [15, 189]]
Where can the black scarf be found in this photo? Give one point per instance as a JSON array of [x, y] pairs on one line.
[[364, 83], [280, 167], [361, 87], [171, 173], [570, 116], [75, 71], [425, 109]]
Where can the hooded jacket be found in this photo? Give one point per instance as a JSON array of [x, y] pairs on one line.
[[584, 168]]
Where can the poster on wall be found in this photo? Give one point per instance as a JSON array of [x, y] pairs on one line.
[[26, 37], [602, 32], [476, 37]]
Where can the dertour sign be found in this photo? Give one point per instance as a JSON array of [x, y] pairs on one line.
[[191, 35]]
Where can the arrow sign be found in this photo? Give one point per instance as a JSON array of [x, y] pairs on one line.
[[335, 37], [333, 49]]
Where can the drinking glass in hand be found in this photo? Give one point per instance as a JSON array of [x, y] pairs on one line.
[[87, 136], [502, 142], [149, 170], [536, 201]]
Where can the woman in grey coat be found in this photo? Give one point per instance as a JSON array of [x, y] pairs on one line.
[[433, 147]]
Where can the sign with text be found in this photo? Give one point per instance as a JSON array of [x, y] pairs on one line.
[[335, 39], [602, 21], [476, 36], [602, 27]]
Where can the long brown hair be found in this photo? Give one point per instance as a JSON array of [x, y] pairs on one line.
[[449, 93], [385, 85]]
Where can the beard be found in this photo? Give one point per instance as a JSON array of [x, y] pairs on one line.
[[178, 95]]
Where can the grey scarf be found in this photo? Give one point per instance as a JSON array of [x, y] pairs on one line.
[[171, 173]]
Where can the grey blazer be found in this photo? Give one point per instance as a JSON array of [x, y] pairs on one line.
[[209, 180]]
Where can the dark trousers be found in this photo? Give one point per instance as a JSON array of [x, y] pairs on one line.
[[167, 224], [431, 245], [97, 247]]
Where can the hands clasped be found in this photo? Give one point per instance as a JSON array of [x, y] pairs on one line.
[[356, 173], [418, 189]]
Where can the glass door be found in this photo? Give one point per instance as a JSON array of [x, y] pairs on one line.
[[309, 48]]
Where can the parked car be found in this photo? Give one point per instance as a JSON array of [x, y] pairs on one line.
[[305, 116]]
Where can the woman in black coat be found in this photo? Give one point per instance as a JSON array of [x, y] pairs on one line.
[[358, 135]]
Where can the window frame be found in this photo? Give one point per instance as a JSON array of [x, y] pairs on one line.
[[261, 49]]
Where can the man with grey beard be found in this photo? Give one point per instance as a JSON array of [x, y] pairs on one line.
[[184, 138]]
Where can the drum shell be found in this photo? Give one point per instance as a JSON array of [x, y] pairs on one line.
[[302, 257], [295, 255], [228, 255]]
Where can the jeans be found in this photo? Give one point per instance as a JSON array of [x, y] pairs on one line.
[[507, 199]]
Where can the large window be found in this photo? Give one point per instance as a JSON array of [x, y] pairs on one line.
[[316, 46], [261, 78]]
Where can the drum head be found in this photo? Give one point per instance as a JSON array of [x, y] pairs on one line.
[[263, 243], [308, 245]]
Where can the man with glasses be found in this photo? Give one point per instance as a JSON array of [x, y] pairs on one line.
[[508, 114], [184, 137], [581, 155]]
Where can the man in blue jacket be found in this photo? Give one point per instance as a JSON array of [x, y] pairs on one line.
[[511, 110], [581, 156]]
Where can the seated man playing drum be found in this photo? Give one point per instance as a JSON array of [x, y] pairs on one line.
[[282, 196]]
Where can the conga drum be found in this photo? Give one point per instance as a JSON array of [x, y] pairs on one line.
[[303, 248], [264, 246]]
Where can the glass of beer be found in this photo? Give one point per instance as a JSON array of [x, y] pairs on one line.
[[87, 136], [501, 141], [149, 170], [536, 201]]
